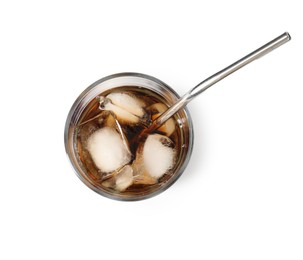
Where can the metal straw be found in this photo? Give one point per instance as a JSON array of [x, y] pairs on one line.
[[201, 87]]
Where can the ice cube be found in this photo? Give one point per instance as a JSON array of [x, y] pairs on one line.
[[154, 158], [86, 129], [127, 108], [158, 157], [121, 180], [122, 115], [156, 110], [168, 127], [128, 102], [108, 149]]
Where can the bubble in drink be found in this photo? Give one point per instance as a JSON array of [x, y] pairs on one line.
[[113, 152]]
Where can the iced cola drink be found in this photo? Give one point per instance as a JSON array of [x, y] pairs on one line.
[[112, 153]]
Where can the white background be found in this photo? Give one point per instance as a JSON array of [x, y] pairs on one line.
[[241, 196]]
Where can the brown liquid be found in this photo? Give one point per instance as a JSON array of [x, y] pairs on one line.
[[93, 118]]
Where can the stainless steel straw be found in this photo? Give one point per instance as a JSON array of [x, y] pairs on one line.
[[201, 87]]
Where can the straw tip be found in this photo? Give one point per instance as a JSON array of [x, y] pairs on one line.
[[288, 35]]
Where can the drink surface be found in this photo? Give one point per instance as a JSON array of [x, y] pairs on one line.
[[113, 153]]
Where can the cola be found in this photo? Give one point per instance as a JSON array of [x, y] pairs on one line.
[[111, 148]]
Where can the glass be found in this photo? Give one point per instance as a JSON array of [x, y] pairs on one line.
[[126, 81]]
